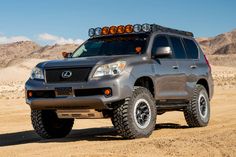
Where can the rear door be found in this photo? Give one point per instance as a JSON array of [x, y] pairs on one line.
[[191, 66], [183, 64], [167, 80]]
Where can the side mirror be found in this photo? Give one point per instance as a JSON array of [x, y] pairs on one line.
[[66, 54], [162, 52]]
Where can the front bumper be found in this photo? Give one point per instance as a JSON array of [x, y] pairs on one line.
[[121, 87], [66, 103]]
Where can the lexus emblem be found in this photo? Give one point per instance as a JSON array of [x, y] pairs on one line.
[[66, 74]]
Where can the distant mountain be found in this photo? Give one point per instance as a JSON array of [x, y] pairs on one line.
[[14, 52], [221, 44], [18, 50], [53, 51]]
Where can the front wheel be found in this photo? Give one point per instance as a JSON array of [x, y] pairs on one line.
[[136, 117], [197, 113], [48, 125]]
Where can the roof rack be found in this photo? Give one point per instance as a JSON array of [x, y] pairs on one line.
[[156, 27]]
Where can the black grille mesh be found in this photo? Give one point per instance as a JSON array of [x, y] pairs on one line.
[[78, 75]]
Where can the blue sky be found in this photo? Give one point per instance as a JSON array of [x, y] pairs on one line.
[[50, 21]]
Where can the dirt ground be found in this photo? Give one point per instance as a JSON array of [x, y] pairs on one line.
[[97, 137]]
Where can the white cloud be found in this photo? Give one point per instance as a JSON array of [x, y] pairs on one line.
[[58, 40], [5, 39]]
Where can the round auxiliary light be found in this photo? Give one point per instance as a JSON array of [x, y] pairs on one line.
[[91, 32], [105, 30], [120, 29], [107, 92], [98, 31], [113, 30], [146, 27], [128, 28], [137, 28]]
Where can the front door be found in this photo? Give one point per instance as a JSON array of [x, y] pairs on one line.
[[168, 79]]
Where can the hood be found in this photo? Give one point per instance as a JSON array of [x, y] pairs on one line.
[[83, 61]]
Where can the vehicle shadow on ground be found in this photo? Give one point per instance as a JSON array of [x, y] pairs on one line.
[[91, 134]]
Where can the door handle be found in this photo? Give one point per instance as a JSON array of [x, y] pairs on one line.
[[193, 66], [175, 67]]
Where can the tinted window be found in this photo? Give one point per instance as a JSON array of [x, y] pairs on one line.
[[160, 41], [191, 48], [178, 47]]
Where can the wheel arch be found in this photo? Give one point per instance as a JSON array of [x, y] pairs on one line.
[[204, 83], [146, 82]]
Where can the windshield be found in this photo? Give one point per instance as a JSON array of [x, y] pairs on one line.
[[113, 45]]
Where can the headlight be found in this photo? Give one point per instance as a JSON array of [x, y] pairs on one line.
[[37, 73], [110, 69]]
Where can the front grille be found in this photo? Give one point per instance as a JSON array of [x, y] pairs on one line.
[[79, 74]]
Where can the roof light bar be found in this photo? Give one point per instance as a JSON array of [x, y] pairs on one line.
[[105, 30], [91, 32], [129, 28], [146, 27], [121, 29], [137, 28], [112, 30], [98, 31]]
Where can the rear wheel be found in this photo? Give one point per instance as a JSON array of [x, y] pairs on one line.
[[136, 117], [48, 125], [197, 114]]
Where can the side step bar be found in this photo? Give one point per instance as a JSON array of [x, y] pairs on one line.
[[170, 107]]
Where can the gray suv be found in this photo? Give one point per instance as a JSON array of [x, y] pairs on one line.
[[129, 74]]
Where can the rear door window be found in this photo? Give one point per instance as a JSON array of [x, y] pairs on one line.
[[178, 47], [191, 48]]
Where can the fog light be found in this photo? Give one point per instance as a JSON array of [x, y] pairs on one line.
[[30, 94], [107, 92]]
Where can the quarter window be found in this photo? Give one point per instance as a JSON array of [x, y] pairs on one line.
[[178, 47], [191, 49]]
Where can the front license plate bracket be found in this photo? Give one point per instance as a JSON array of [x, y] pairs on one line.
[[63, 91]]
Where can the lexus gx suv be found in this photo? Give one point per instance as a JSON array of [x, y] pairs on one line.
[[128, 73]]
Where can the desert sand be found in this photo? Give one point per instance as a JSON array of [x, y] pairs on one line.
[[97, 137]]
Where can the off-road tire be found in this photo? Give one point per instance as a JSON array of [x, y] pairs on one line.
[[112, 121], [124, 115], [192, 113], [48, 125]]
